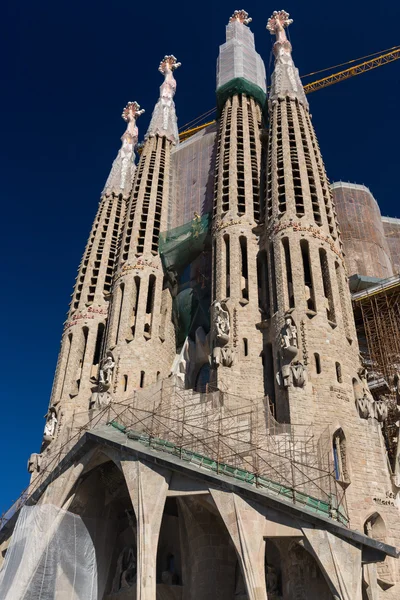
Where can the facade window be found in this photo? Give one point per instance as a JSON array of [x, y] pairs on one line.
[[120, 305], [99, 343], [317, 363], [150, 305], [66, 362], [338, 372], [125, 383], [326, 280], [244, 272], [214, 279], [339, 447], [227, 266], [308, 278], [263, 285], [142, 374], [245, 347], [273, 278], [289, 276]]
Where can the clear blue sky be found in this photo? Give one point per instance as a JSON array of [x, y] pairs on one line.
[[68, 70]]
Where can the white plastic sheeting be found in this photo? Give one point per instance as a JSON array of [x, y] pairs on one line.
[[238, 57], [51, 557]]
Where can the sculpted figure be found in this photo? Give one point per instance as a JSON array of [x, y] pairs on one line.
[[106, 369], [221, 323], [298, 374], [364, 406], [272, 581], [34, 463], [289, 334], [51, 424], [381, 411], [126, 569]]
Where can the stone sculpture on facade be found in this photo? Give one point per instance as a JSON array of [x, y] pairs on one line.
[[291, 373], [34, 463], [51, 424], [126, 572], [106, 370], [222, 354]]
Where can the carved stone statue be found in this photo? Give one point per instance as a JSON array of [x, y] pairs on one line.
[[289, 335], [298, 374], [126, 569], [34, 462], [364, 406], [221, 324], [272, 582], [106, 370], [381, 410], [51, 424]]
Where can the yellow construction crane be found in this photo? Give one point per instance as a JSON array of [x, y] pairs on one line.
[[382, 59]]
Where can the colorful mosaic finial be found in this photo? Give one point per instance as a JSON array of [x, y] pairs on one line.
[[168, 62], [277, 23], [242, 16], [132, 111]]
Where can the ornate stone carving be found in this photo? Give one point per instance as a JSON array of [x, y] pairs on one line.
[[106, 371], [222, 354], [221, 324], [364, 406], [381, 410], [289, 341], [126, 572], [34, 462], [298, 374], [51, 424]]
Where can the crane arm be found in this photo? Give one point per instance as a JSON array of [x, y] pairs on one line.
[[352, 71], [314, 86]]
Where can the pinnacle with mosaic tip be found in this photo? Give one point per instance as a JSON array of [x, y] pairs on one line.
[[169, 62], [277, 23], [242, 16], [132, 111]]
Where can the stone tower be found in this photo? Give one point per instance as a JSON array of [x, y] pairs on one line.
[[315, 374], [83, 335], [241, 93], [140, 334]]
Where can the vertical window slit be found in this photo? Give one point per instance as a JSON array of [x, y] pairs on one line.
[[121, 302], [227, 266], [150, 306], [142, 374], [289, 276], [244, 271], [326, 280], [308, 278], [273, 278], [263, 285]]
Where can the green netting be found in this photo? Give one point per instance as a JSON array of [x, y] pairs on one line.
[[180, 246], [239, 85], [190, 310], [182, 250]]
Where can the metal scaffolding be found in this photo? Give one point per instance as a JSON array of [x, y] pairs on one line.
[[215, 431], [377, 315]]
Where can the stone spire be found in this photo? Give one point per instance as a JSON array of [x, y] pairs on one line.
[[122, 172], [285, 79], [163, 121]]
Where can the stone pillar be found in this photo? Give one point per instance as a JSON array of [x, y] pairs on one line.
[[340, 562], [208, 559], [148, 488], [246, 528]]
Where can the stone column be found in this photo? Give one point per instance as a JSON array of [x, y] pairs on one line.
[[340, 562], [246, 528], [148, 488]]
